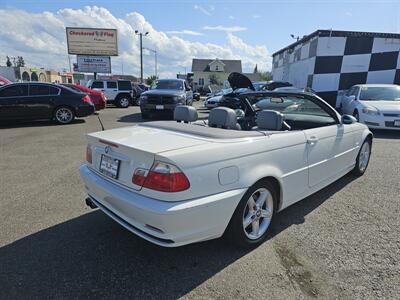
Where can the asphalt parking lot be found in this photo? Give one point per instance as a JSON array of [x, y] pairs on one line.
[[342, 242]]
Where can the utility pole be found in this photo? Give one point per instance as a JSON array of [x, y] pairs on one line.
[[140, 34], [155, 59]]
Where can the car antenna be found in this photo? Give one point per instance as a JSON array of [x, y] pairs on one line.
[[101, 123]]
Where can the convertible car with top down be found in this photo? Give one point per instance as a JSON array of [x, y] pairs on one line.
[[187, 180]]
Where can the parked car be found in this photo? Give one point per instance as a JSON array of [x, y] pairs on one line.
[[212, 102], [164, 95], [239, 84], [196, 96], [4, 81], [294, 89], [143, 86], [98, 98], [118, 92], [376, 105], [33, 101], [272, 85], [137, 91], [173, 183]]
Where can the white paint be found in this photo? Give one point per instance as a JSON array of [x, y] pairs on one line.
[[385, 45], [355, 63], [331, 46], [385, 76], [326, 82]]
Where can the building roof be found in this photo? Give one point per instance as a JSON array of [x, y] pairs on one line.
[[203, 65], [338, 33]]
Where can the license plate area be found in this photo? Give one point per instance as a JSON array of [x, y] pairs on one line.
[[159, 106], [109, 166], [396, 123]]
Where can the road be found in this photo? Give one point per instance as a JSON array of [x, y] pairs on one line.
[[342, 242]]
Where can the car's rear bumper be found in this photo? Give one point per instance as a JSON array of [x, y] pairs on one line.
[[168, 224], [84, 110]]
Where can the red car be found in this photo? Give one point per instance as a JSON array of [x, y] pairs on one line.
[[98, 98]]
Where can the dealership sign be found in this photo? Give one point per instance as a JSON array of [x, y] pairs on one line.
[[92, 41], [94, 64]]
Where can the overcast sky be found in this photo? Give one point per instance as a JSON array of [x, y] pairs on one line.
[[180, 30]]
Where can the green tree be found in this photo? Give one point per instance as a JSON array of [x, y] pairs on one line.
[[266, 76], [8, 63], [20, 61], [214, 79], [151, 79]]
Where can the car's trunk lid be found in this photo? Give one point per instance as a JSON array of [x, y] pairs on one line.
[[238, 80], [117, 153]]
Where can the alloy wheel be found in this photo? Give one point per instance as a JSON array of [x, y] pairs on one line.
[[257, 214], [64, 115], [364, 156]]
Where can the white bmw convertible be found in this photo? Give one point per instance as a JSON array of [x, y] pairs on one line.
[[184, 181]]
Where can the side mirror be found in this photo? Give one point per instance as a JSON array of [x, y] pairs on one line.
[[351, 97], [347, 119]]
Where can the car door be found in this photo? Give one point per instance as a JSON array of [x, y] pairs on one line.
[[11, 99], [329, 142], [111, 89], [39, 103]]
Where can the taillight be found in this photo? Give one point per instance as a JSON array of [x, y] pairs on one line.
[[89, 154], [86, 99], [164, 177]]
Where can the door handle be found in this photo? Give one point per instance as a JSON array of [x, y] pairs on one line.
[[312, 140]]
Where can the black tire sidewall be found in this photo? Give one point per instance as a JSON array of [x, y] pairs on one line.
[[235, 232]]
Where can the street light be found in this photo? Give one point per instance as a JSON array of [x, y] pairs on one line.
[[140, 34], [155, 59]]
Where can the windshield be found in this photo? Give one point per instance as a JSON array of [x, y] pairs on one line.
[[167, 85], [387, 93]]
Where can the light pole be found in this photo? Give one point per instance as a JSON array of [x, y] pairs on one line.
[[155, 59], [140, 34]]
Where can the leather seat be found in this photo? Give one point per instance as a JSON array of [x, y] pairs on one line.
[[186, 114], [223, 117], [271, 120]]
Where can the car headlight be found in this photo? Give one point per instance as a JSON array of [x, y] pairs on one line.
[[178, 98], [369, 110]]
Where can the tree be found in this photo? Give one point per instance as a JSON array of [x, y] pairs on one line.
[[255, 69], [8, 63], [214, 79], [151, 79], [20, 61], [266, 76]]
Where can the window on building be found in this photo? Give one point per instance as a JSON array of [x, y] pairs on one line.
[[201, 81]]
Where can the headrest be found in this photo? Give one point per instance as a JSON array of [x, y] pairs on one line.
[[185, 113], [223, 117], [270, 120]]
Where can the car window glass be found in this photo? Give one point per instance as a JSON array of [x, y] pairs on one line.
[[378, 93], [97, 85], [53, 90], [111, 84], [38, 90], [15, 91], [125, 85]]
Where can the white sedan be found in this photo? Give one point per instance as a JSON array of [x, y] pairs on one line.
[[376, 105], [179, 182]]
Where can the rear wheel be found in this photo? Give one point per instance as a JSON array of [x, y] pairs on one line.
[[64, 115], [252, 217], [123, 101], [363, 157]]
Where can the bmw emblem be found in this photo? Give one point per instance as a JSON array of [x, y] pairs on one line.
[[107, 149]]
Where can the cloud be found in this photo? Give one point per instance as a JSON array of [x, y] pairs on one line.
[[40, 39], [225, 28], [184, 32], [232, 17], [348, 14], [256, 16], [203, 10]]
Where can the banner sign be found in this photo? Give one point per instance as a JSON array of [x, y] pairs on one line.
[[92, 41], [91, 64]]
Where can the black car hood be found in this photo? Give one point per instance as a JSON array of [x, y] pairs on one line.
[[164, 92], [238, 80]]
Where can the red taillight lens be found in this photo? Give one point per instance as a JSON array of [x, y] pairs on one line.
[[162, 177], [89, 154], [86, 99]]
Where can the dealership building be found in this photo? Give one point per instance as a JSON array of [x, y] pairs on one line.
[[331, 61]]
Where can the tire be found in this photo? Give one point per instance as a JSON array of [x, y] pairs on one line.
[[64, 115], [250, 212], [356, 115], [123, 101], [363, 158]]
